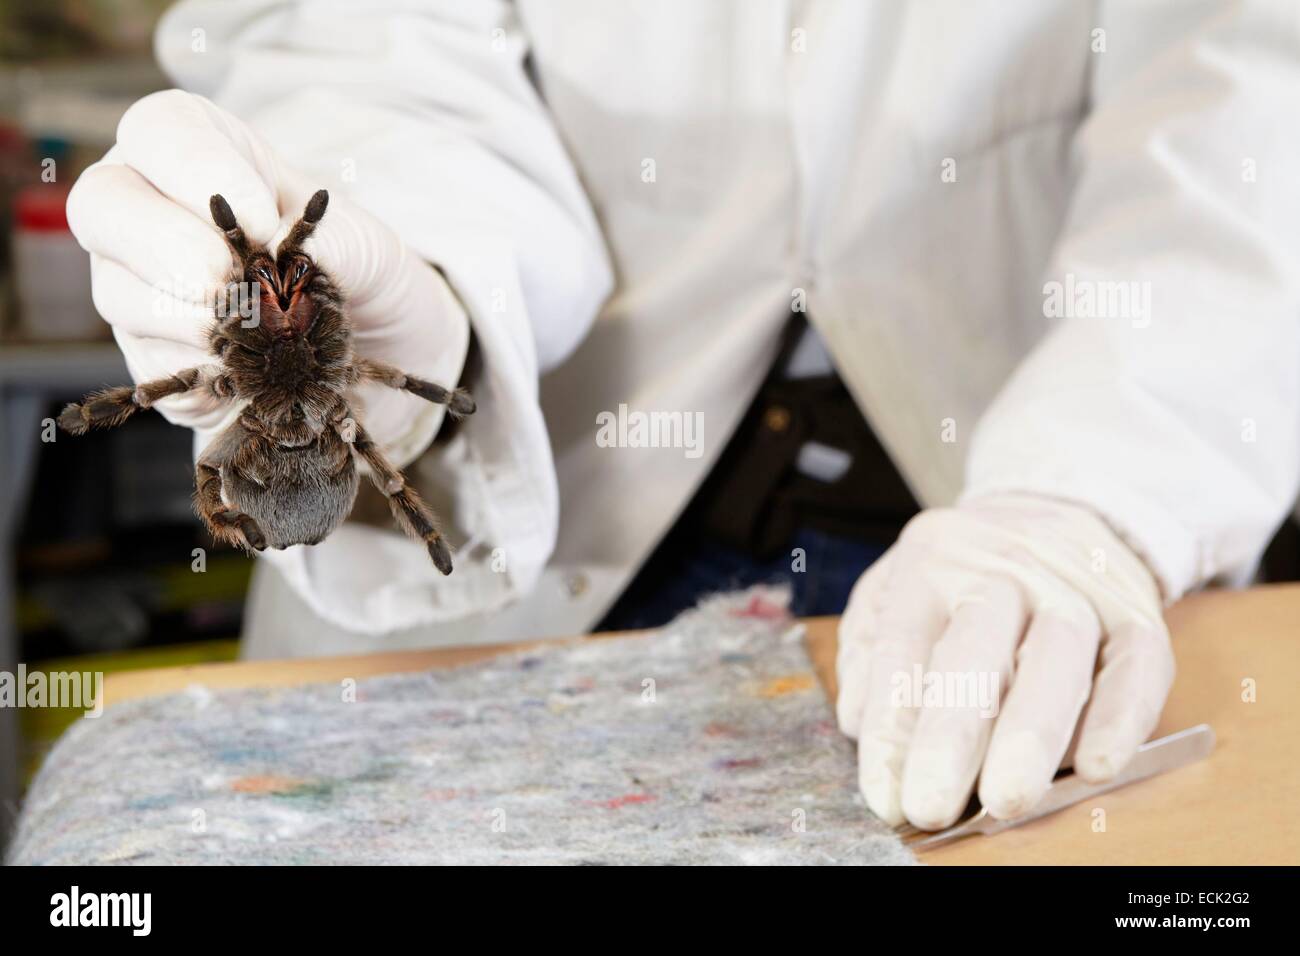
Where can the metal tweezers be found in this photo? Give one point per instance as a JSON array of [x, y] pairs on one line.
[[1153, 757]]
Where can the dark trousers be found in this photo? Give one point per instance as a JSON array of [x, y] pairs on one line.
[[762, 518], [820, 569]]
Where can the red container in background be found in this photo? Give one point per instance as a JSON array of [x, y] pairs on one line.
[[51, 272]]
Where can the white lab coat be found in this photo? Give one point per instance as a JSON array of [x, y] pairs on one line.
[[630, 197]]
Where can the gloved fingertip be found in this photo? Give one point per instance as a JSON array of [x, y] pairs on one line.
[[847, 719], [932, 797], [880, 783], [849, 704], [883, 800], [1012, 798], [930, 812], [1096, 768], [1016, 775], [1102, 754], [851, 669]]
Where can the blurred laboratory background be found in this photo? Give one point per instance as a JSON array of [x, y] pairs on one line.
[[102, 564]]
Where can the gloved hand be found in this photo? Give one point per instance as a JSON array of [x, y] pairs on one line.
[[1024, 587], [157, 261]]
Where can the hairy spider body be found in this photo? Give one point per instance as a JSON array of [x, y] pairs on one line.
[[283, 473]]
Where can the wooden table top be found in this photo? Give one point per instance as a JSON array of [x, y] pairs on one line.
[[1237, 807]]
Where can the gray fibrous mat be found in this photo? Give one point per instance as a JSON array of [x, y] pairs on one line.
[[709, 741]]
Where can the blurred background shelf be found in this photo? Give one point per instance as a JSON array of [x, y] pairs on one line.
[[97, 535], [54, 366]]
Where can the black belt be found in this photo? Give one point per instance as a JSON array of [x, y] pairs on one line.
[[756, 496]]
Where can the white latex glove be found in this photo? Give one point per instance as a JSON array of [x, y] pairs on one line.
[[157, 260], [1030, 589]]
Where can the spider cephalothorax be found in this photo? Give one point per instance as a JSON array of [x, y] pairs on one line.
[[281, 333], [283, 472]]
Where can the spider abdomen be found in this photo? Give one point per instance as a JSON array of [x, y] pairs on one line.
[[302, 495]]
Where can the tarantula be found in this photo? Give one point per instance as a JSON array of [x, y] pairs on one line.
[[283, 473]]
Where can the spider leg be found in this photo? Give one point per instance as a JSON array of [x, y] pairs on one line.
[[409, 509], [223, 522], [234, 235], [304, 227], [458, 401], [110, 407]]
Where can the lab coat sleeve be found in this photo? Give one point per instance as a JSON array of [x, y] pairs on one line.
[[1167, 397], [424, 114]]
